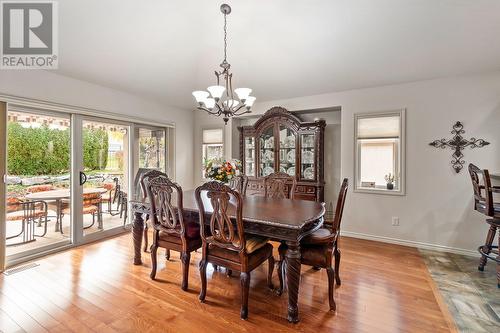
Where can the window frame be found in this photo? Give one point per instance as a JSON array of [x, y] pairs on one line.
[[401, 152], [204, 145]]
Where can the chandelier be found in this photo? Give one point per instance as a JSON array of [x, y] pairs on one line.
[[220, 99]]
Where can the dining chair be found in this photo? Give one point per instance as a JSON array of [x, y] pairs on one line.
[[239, 183], [171, 230], [486, 205], [225, 242], [279, 185], [144, 181], [319, 248], [26, 211]]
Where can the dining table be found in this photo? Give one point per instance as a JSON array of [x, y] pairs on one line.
[[282, 220], [63, 194]]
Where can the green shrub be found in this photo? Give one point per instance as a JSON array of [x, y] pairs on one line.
[[95, 149], [45, 151]]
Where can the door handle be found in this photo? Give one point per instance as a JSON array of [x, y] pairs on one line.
[[83, 178]]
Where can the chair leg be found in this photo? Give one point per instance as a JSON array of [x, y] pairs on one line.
[[145, 236], [126, 214], [45, 226], [486, 248], [185, 258], [154, 264], [281, 269], [336, 253], [498, 263], [203, 276], [245, 287], [270, 269], [229, 272], [331, 282], [167, 254]]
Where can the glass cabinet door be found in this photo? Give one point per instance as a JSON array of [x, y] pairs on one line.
[[250, 156], [287, 150], [307, 156], [267, 166]]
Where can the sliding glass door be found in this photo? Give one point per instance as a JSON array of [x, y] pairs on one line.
[[104, 176], [38, 181], [69, 177]]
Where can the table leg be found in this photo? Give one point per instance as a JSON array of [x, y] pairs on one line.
[[293, 280], [58, 226], [99, 217], [137, 231]]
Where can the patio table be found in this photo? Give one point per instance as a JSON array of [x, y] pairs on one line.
[[58, 196]]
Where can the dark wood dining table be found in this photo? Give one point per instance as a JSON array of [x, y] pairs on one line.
[[281, 220]]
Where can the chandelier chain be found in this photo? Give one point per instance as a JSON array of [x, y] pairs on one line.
[[225, 37]]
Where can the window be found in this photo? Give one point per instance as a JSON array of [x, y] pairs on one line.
[[152, 148], [379, 146], [213, 146]]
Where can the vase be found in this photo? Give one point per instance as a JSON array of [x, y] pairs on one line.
[[390, 186]]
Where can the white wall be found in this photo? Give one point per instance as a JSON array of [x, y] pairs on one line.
[[437, 208], [50, 87]]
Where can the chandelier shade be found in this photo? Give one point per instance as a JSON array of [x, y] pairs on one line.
[[200, 95], [216, 91], [220, 100]]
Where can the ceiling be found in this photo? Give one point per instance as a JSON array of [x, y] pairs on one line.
[[163, 49]]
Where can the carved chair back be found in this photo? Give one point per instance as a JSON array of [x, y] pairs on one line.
[[147, 177], [339, 210], [168, 218], [239, 183], [279, 185], [475, 176], [483, 204], [222, 230]]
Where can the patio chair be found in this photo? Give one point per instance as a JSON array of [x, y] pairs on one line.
[[109, 199], [26, 211], [52, 205], [92, 203]]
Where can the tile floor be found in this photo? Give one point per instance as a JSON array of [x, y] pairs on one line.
[[472, 296]]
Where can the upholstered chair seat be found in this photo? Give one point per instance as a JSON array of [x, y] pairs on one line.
[[320, 236], [19, 215]]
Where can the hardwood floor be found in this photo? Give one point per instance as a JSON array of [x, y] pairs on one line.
[[385, 288]]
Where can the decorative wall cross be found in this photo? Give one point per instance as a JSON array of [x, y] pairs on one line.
[[458, 143]]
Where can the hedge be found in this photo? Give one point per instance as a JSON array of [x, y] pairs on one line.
[[45, 151]]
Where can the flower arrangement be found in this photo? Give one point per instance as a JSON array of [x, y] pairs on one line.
[[390, 178], [222, 170]]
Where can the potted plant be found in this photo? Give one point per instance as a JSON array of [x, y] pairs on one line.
[[390, 178], [222, 170]]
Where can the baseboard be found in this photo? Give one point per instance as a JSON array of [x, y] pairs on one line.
[[420, 245]]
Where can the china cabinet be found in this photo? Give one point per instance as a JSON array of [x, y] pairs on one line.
[[281, 141]]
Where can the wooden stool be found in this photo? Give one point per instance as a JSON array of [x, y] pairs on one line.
[[485, 205]]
